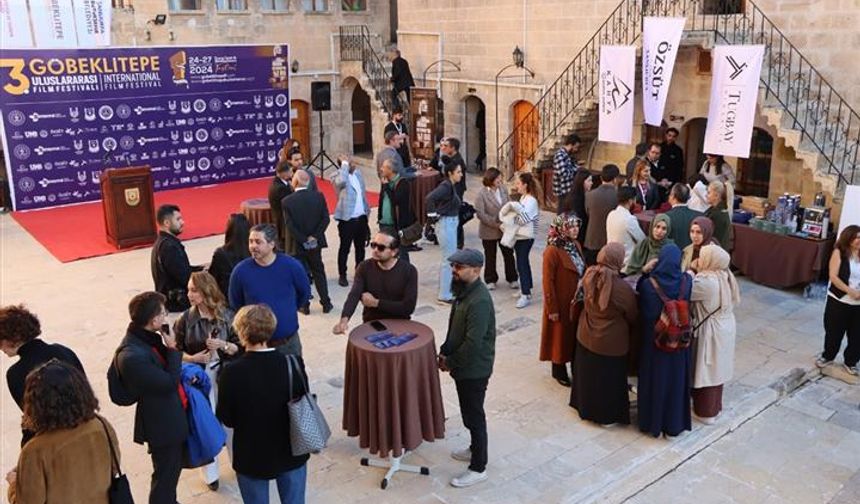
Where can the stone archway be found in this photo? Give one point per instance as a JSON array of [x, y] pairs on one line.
[[693, 135], [475, 133]]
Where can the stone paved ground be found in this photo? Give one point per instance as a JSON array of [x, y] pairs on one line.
[[765, 448]]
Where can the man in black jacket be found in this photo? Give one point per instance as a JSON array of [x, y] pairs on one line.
[[149, 366], [397, 126], [279, 189], [19, 335], [401, 75], [171, 269], [306, 219], [395, 205], [450, 147]]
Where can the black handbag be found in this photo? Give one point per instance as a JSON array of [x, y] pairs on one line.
[[467, 213], [119, 491]]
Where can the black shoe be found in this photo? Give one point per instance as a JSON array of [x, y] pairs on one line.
[[306, 309], [559, 372], [342, 281], [327, 307], [213, 486], [413, 248]]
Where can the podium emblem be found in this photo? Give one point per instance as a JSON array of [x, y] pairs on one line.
[[132, 196]]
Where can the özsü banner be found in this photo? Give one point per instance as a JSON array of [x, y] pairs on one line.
[[661, 39], [196, 115], [617, 78], [734, 93]]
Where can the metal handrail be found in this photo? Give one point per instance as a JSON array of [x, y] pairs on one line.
[[825, 120], [355, 46]]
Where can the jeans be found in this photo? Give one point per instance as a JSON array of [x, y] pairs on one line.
[[293, 346], [522, 249], [353, 233], [291, 487], [166, 467], [490, 273], [446, 231], [841, 318], [470, 394]]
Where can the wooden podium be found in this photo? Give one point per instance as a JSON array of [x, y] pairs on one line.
[[128, 206]]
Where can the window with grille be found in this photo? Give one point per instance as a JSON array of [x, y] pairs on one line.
[[275, 5], [232, 5], [353, 5], [181, 5], [315, 5]]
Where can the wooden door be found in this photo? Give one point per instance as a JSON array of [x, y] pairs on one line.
[[300, 122], [525, 141]]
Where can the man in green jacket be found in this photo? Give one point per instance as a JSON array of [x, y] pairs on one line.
[[468, 354]]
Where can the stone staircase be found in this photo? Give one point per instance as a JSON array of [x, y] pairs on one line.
[[797, 101]]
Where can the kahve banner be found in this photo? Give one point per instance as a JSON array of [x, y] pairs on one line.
[[661, 38], [734, 93], [615, 99]]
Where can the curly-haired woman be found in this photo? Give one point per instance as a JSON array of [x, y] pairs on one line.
[[19, 335], [69, 458]]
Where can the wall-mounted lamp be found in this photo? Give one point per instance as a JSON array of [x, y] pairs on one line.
[[294, 67], [158, 20], [519, 57]]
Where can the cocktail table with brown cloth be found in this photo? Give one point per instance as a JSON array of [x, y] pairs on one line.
[[257, 211], [391, 399], [772, 259], [425, 181]]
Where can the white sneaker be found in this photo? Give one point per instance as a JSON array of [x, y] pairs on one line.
[[468, 479], [464, 455], [491, 286], [514, 285], [524, 301], [852, 370], [705, 420], [821, 362]]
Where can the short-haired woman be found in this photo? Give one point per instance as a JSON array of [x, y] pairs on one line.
[[487, 208], [235, 248], [19, 335], [252, 399], [205, 337], [69, 459], [842, 311], [444, 203]]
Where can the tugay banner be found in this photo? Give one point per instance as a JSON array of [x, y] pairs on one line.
[[661, 39], [195, 114], [734, 93], [617, 78]]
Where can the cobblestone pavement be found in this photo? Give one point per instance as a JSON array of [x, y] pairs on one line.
[[766, 447]]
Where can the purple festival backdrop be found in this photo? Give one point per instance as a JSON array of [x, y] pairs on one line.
[[196, 115]]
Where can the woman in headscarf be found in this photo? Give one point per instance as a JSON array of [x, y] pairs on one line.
[[701, 234], [715, 293], [644, 256], [719, 214], [607, 322], [664, 378], [563, 266]]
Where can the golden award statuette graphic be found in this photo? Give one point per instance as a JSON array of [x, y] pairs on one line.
[[178, 64]]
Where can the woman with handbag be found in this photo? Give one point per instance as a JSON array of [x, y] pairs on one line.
[[443, 205], [664, 377], [71, 457], [603, 341], [715, 294], [563, 266], [487, 206], [253, 399], [205, 337]]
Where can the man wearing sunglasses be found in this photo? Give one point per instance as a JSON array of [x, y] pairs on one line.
[[385, 285]]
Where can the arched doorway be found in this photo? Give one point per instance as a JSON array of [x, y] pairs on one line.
[[753, 174], [362, 129], [693, 133], [300, 123], [527, 133], [475, 129]]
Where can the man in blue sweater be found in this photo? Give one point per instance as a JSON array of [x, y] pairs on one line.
[[273, 279]]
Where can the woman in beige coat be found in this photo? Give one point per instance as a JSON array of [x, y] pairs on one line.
[[715, 293], [487, 207]]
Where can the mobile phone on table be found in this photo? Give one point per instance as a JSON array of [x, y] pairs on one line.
[[379, 326]]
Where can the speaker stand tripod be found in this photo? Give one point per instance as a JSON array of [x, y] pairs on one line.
[[322, 156]]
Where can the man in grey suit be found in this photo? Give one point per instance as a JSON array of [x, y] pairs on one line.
[[681, 215], [598, 203], [351, 215]]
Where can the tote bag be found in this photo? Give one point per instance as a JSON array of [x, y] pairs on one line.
[[309, 431]]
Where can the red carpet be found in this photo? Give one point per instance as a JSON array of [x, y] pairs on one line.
[[78, 232]]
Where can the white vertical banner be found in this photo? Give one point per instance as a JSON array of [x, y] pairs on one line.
[[661, 38], [54, 23], [92, 19], [617, 78], [15, 25], [734, 93]]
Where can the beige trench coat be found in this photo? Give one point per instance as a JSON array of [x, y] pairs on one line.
[[715, 345]]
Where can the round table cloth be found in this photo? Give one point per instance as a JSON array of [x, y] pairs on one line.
[[391, 399], [425, 181], [257, 210]]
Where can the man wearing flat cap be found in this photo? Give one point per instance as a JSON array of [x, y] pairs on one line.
[[468, 354]]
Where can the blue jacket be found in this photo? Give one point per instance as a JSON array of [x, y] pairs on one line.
[[206, 436]]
